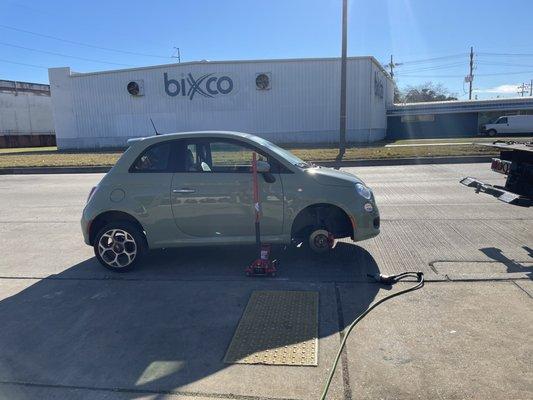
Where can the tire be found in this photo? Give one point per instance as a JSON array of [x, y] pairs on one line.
[[492, 132], [119, 246], [319, 241]]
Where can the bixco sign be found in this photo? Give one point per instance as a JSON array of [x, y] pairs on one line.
[[208, 85]]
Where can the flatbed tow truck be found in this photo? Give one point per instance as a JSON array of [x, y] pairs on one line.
[[515, 161]]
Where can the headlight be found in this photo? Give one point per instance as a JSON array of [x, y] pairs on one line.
[[363, 191]]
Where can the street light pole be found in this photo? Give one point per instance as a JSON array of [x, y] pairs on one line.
[[342, 127]]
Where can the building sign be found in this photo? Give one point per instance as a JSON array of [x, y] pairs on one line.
[[208, 85], [378, 86]]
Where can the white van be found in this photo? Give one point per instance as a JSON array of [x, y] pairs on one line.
[[509, 124]]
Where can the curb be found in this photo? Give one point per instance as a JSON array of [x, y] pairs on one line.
[[408, 161], [53, 170], [353, 163]]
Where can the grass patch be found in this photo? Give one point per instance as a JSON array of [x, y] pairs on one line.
[[370, 153], [477, 139], [57, 159], [54, 158], [27, 150]]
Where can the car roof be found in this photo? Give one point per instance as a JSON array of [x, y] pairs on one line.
[[181, 135]]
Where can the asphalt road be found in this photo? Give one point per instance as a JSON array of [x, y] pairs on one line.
[[70, 329]]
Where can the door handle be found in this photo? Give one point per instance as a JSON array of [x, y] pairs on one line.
[[184, 190]]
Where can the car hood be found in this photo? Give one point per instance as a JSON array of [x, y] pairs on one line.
[[332, 177]]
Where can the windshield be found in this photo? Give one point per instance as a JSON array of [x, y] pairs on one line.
[[287, 155]]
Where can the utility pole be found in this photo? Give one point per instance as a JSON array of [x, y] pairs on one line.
[[177, 54], [531, 88], [392, 65], [471, 74], [522, 89], [342, 127]]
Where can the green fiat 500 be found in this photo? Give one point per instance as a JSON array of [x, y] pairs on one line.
[[195, 188]]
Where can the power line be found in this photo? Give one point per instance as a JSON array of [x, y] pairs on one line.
[[427, 60], [460, 55], [434, 67], [460, 76], [62, 55], [507, 54], [25, 64], [505, 64], [417, 68], [81, 43], [507, 73]]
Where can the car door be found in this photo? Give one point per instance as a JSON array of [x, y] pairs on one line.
[[503, 125], [146, 188], [212, 192], [516, 124]]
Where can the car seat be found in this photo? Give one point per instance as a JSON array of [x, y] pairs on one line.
[[189, 161]]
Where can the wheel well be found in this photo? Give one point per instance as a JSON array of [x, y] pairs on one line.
[[101, 220], [326, 216]]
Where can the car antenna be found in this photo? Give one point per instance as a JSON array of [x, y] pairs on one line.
[[155, 129]]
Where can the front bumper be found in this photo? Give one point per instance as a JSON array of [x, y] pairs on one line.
[[366, 225], [85, 228]]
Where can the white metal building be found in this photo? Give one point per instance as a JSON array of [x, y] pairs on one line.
[[286, 101], [25, 113]]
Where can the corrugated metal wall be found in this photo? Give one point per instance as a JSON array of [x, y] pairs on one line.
[[442, 126], [25, 113], [95, 110]]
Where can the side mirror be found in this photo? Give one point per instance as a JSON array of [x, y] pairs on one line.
[[263, 167]]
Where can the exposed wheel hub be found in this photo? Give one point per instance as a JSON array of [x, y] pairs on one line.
[[320, 241]]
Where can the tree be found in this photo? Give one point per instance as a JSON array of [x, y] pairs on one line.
[[428, 91], [397, 94]]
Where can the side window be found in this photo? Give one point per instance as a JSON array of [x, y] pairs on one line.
[[208, 156], [154, 159], [232, 157], [193, 156], [502, 120]]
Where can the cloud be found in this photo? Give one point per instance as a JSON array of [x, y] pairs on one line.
[[502, 89]]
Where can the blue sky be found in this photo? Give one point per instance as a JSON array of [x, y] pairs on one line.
[[412, 30]]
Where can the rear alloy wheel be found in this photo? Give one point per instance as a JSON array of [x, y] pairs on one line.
[[119, 246], [320, 241], [491, 132]]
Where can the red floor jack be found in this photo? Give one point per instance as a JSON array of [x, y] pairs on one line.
[[262, 266]]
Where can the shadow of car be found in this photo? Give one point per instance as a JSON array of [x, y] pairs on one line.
[[161, 327]]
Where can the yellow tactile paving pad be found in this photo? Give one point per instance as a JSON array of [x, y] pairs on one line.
[[277, 328]]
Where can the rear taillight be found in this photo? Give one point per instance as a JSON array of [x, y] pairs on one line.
[[91, 193]]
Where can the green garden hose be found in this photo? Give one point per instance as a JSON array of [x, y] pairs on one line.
[[385, 279]]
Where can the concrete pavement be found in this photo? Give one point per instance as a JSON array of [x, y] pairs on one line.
[[71, 329]]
